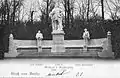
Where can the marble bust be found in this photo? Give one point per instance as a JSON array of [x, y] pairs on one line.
[[86, 34], [39, 35]]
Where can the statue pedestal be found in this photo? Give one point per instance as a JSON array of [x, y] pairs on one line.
[[58, 41], [39, 46], [85, 48]]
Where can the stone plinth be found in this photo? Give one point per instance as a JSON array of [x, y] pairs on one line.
[[39, 45], [107, 48], [12, 48], [58, 41], [85, 48]]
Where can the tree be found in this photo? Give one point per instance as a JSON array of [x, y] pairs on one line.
[[9, 10], [88, 8], [69, 12], [102, 6], [8, 13], [46, 7], [113, 9], [95, 5], [81, 8]]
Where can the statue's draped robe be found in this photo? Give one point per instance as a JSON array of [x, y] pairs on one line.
[[56, 16], [39, 37], [86, 36]]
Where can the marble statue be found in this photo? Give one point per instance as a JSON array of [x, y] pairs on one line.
[[39, 35], [39, 38], [56, 15], [86, 37], [86, 34]]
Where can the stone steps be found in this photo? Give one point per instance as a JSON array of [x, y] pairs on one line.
[[68, 53]]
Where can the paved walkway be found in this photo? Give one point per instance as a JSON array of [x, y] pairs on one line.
[[59, 60]]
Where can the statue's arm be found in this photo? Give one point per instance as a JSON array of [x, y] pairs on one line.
[[83, 35], [42, 36], [88, 35], [50, 14], [36, 36]]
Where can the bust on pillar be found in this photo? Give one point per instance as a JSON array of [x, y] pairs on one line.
[[57, 29], [12, 48], [109, 38], [39, 38], [11, 44], [107, 47]]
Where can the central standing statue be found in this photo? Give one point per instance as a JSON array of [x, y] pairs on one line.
[[57, 29], [56, 15]]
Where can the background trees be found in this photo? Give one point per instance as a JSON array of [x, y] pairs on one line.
[[8, 19], [88, 13], [113, 9]]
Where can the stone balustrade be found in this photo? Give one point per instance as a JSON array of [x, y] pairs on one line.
[[104, 43]]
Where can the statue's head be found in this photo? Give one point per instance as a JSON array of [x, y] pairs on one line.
[[39, 31], [85, 29], [56, 5]]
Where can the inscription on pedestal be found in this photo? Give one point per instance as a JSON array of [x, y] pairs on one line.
[[58, 42]]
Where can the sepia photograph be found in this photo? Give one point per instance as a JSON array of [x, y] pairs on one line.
[[59, 38]]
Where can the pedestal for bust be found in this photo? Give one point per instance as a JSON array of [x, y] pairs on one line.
[[39, 45], [58, 41]]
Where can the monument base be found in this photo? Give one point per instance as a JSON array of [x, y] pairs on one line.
[[58, 41], [85, 48]]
